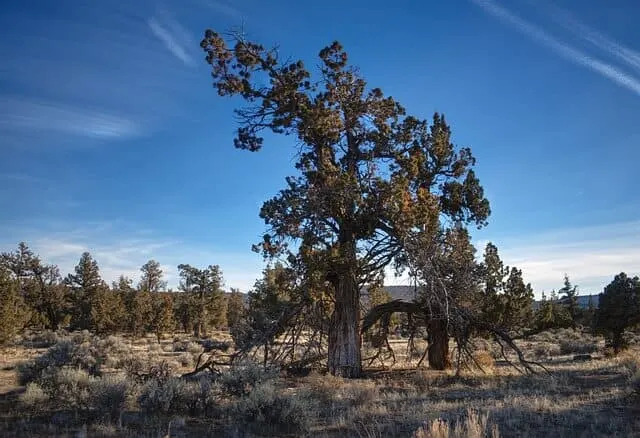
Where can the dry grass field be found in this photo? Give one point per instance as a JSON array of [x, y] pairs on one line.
[[577, 398]]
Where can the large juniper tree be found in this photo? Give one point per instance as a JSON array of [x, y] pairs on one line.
[[369, 175]]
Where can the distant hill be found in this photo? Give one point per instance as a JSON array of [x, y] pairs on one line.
[[407, 293]]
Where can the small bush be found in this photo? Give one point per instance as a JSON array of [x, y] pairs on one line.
[[61, 354], [34, 396], [199, 396], [634, 381], [265, 409], [210, 344], [132, 364], [44, 339], [64, 353], [577, 347], [630, 365], [158, 396], [109, 394], [473, 425], [241, 379], [67, 387], [545, 350], [185, 359], [484, 359], [194, 348], [180, 345], [178, 396]]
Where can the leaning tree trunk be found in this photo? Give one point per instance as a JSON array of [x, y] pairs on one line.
[[344, 335], [438, 349]]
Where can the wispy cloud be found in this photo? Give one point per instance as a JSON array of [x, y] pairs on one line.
[[173, 36], [108, 75], [23, 178], [611, 47], [591, 255], [222, 8], [33, 115], [121, 249], [606, 70]]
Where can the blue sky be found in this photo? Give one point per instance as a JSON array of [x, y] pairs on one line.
[[112, 139]]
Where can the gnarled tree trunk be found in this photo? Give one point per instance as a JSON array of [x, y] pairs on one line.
[[438, 349], [344, 335]]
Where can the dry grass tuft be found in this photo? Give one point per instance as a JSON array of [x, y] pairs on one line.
[[473, 425]]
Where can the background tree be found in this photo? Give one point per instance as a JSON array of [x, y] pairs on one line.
[[123, 287], [20, 264], [204, 285], [618, 310], [85, 285], [569, 296], [108, 312], [39, 286], [506, 299], [235, 308], [185, 311], [368, 175], [162, 315], [49, 296], [517, 302], [151, 279], [143, 312], [551, 314], [588, 316], [494, 273], [13, 311]]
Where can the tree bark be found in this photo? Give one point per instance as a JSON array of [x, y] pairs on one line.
[[438, 349], [344, 335]]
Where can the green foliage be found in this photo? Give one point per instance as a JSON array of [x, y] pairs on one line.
[[108, 312], [85, 286], [39, 286], [143, 312], [162, 315], [506, 300], [271, 297], [551, 314], [235, 309], [13, 312], [569, 295], [206, 306], [127, 295], [151, 279], [619, 309]]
